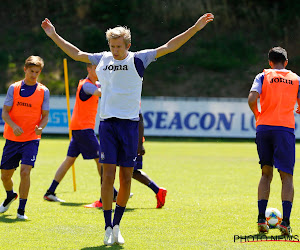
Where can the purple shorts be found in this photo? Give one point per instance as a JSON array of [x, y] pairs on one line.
[[118, 142], [139, 163], [14, 152], [276, 147], [84, 142]]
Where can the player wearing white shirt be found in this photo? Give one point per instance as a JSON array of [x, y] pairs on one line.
[[121, 83]]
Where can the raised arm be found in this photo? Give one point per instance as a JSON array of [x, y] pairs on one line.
[[65, 46], [176, 42]]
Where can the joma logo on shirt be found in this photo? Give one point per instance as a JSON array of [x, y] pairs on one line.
[[279, 79], [116, 67], [24, 104]]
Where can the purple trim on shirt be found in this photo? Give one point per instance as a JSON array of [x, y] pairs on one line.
[[258, 82], [141, 59], [87, 90]]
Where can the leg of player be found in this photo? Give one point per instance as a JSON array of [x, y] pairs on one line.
[[6, 177], [287, 196], [59, 175], [160, 192], [263, 197], [24, 190], [125, 176], [98, 203], [100, 171], [108, 179]]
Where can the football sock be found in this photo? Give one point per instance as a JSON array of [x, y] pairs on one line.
[[21, 211], [10, 194], [262, 206], [286, 208], [22, 204], [119, 211], [107, 218], [53, 186], [153, 186]]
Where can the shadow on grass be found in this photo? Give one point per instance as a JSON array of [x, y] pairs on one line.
[[72, 204], [80, 204], [5, 218], [115, 246]]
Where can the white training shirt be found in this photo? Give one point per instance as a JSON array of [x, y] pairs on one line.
[[121, 87]]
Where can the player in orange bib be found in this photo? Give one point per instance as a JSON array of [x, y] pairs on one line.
[[278, 90], [84, 140], [25, 112]]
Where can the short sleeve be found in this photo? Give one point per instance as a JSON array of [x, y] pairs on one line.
[[257, 83], [146, 56], [89, 88], [46, 105], [95, 58], [9, 99]]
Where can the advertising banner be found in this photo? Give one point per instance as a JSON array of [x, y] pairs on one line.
[[179, 117]]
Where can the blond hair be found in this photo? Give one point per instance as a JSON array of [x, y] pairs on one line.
[[117, 32], [34, 61]]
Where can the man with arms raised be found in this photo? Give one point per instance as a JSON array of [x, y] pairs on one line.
[[120, 73]]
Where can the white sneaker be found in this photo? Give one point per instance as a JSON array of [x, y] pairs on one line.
[[108, 237], [22, 217], [5, 208], [117, 235], [52, 197]]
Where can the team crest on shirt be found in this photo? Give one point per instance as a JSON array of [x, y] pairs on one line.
[[102, 156]]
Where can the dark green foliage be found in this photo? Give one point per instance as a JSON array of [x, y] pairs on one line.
[[224, 54], [234, 46]]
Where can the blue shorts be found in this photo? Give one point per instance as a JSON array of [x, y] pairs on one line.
[[84, 142], [139, 163], [14, 152], [118, 142], [276, 147]]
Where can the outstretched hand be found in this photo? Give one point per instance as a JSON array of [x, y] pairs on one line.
[[48, 27], [203, 20]]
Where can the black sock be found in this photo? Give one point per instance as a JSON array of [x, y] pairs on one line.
[[21, 211], [287, 220]]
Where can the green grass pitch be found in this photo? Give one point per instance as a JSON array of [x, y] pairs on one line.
[[212, 196]]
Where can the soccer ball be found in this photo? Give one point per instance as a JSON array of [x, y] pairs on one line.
[[273, 217]]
